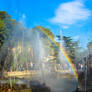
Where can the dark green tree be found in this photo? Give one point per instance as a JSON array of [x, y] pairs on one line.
[[6, 29], [70, 46]]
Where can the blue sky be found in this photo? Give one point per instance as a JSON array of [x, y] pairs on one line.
[[73, 17]]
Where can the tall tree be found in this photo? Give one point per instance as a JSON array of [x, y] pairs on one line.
[[70, 46], [6, 26]]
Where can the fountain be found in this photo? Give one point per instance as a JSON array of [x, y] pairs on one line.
[[33, 60]]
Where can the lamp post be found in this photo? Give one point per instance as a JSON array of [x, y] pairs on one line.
[[86, 70], [85, 73]]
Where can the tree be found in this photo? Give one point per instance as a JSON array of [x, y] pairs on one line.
[[70, 46], [46, 30], [6, 26]]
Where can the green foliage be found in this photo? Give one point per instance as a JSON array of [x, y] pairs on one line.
[[47, 31], [89, 44], [70, 46], [6, 26]]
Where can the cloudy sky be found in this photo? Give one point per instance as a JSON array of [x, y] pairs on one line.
[[73, 17]]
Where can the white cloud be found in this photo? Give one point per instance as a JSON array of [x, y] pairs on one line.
[[70, 13]]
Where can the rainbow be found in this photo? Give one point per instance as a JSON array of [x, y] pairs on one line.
[[68, 60]]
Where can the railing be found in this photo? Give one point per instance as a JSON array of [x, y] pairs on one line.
[[21, 73]]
